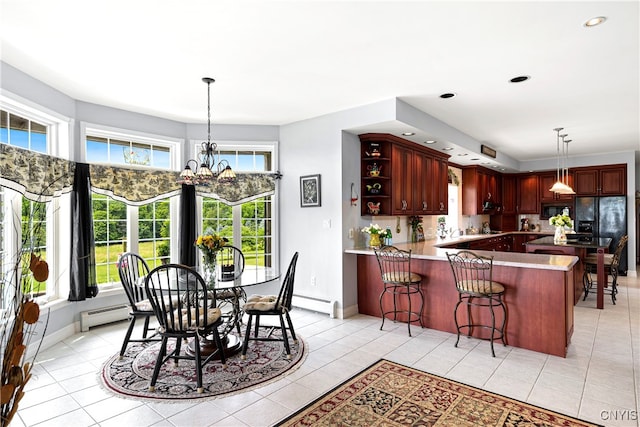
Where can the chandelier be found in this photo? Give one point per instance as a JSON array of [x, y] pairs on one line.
[[561, 186], [205, 169]]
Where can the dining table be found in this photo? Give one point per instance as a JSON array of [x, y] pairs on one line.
[[578, 247], [230, 295]]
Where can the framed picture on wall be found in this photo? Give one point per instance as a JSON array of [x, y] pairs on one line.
[[310, 191]]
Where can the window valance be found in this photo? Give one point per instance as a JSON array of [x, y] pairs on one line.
[[40, 177]]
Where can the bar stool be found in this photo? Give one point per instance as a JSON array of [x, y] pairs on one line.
[[611, 264], [399, 282], [473, 275]]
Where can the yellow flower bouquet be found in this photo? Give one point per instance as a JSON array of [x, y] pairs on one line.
[[210, 245]]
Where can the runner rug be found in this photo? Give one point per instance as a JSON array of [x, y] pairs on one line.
[[130, 376], [389, 394]]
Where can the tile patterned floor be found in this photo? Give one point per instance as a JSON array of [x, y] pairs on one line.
[[598, 381]]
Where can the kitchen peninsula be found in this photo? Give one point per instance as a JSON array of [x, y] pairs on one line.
[[540, 292]]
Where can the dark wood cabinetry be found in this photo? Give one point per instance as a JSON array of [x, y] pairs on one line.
[[509, 195], [528, 194], [402, 178], [407, 179], [480, 191], [610, 180]]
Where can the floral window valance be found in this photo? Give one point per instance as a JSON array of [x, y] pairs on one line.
[[40, 177]]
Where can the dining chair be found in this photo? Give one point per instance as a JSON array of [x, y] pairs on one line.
[[185, 310], [133, 269], [611, 266], [473, 277], [272, 305], [230, 260], [401, 284]]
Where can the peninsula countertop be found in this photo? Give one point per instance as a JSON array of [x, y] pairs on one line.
[[431, 249]]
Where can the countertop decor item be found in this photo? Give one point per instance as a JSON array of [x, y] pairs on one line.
[[376, 233]]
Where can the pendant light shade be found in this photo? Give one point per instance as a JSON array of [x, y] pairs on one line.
[[561, 186]]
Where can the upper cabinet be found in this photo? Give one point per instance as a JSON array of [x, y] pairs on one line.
[[547, 179], [528, 195], [609, 180], [480, 191], [404, 179]]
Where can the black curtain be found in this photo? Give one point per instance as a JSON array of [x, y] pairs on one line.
[[83, 257], [187, 232]]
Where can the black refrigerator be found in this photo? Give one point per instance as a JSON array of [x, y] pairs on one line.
[[607, 217]]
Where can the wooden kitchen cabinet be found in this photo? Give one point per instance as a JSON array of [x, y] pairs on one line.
[[528, 194], [479, 186], [441, 185], [547, 179], [509, 195], [411, 179], [402, 178], [610, 180]]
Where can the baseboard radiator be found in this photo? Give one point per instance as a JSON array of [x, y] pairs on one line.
[[101, 316], [315, 304]]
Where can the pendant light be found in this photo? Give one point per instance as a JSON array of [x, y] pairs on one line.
[[206, 170], [560, 186]]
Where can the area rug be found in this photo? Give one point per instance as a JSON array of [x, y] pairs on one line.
[[130, 376], [390, 394]]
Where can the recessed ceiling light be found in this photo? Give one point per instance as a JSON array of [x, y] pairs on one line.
[[447, 95], [408, 133], [475, 159], [595, 21], [447, 149], [462, 154], [519, 79], [430, 141], [486, 163]]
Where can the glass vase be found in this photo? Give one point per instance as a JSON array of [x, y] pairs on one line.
[[209, 273], [374, 241], [560, 236]]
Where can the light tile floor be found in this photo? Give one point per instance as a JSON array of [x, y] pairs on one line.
[[598, 381]]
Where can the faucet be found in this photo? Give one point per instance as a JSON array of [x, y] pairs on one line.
[[452, 232]]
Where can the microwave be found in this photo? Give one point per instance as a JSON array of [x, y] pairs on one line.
[[547, 210]]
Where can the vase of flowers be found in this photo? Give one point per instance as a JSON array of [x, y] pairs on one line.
[[560, 222], [210, 244], [415, 223], [376, 233]]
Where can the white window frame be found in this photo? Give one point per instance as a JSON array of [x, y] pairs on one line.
[[59, 138], [174, 145], [262, 146]]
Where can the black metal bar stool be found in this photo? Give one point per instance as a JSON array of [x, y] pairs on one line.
[[473, 275], [400, 282]]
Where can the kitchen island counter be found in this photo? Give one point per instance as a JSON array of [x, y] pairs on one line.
[[539, 293]]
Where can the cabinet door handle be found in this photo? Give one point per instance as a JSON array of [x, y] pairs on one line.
[[424, 206], [404, 205]]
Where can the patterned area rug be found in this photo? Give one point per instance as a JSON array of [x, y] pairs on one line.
[[266, 361], [390, 394]]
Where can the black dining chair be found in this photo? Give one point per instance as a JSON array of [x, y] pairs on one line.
[[272, 305], [133, 269], [185, 310], [230, 261]]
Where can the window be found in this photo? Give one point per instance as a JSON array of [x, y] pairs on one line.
[[110, 234], [26, 225], [22, 132], [118, 227], [249, 226]]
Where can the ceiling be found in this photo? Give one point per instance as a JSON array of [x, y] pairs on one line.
[[278, 62]]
